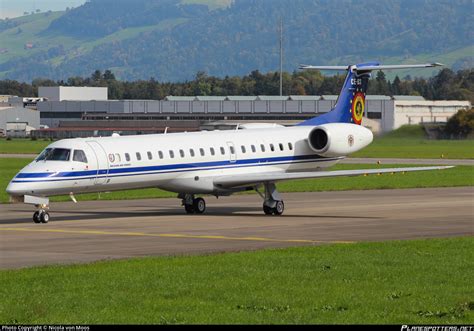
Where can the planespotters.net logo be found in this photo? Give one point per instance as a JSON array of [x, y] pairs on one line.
[[437, 328]]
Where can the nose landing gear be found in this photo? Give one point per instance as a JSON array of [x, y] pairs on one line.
[[42, 205], [41, 216]]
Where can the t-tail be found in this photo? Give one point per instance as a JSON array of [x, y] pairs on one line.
[[350, 104]]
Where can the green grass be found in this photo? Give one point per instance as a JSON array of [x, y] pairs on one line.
[[458, 176], [397, 282], [22, 146], [211, 4], [409, 142]]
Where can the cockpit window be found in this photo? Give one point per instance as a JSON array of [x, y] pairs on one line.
[[79, 156], [42, 156], [55, 154]]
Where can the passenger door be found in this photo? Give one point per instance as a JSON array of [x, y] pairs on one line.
[[233, 156], [102, 162]]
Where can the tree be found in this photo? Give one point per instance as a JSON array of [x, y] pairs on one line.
[[461, 124]]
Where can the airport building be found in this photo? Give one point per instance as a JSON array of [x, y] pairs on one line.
[[382, 113], [18, 121], [83, 93]]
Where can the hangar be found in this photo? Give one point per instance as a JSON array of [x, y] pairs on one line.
[[18, 121]]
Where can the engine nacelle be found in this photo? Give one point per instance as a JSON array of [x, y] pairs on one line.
[[338, 139]]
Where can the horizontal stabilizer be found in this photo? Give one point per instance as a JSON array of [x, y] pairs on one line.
[[241, 180], [370, 67]]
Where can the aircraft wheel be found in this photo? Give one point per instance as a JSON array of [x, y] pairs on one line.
[[267, 210], [199, 205], [36, 217], [189, 209], [279, 208], [44, 217]]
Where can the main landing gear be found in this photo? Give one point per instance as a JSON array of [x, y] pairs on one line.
[[193, 205], [272, 202]]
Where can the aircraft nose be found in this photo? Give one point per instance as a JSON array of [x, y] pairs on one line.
[[14, 189]]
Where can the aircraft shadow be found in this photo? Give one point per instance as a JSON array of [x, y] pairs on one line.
[[211, 212]]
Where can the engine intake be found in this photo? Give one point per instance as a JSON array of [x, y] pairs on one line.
[[319, 140]]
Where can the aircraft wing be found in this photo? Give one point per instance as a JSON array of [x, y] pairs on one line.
[[242, 180]]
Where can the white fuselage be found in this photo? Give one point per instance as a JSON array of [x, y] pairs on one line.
[[178, 162]]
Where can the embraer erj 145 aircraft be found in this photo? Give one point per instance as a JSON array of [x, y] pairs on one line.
[[219, 163]]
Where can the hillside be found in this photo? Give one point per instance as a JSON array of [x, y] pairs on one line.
[[174, 39]]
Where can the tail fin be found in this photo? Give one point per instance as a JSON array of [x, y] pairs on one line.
[[350, 103]]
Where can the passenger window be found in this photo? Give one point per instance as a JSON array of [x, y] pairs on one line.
[[127, 156], [262, 147], [118, 158], [181, 153], [160, 154], [191, 152], [213, 152], [139, 157], [232, 149], [201, 150], [254, 150], [243, 148], [281, 146], [150, 156], [171, 154], [222, 150], [272, 148], [79, 156], [290, 146]]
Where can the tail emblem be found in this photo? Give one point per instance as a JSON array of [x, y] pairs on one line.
[[357, 109]]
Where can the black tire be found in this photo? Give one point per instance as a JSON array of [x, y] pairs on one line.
[[267, 210], [44, 217], [189, 209], [279, 208], [36, 217], [199, 206]]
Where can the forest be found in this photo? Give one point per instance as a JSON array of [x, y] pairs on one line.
[[171, 40], [446, 85]]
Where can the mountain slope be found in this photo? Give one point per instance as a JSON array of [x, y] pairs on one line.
[[173, 39]]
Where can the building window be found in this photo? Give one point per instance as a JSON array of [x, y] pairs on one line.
[[290, 146], [243, 149], [127, 156], [171, 154], [139, 157], [213, 152], [79, 156], [254, 150], [201, 150], [222, 150], [150, 156]]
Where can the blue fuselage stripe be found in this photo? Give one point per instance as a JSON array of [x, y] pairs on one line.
[[170, 168]]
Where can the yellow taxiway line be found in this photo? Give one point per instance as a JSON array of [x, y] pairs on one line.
[[174, 235]]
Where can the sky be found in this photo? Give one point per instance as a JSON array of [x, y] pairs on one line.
[[15, 8]]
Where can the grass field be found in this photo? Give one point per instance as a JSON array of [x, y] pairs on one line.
[[410, 142], [458, 176], [398, 282]]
